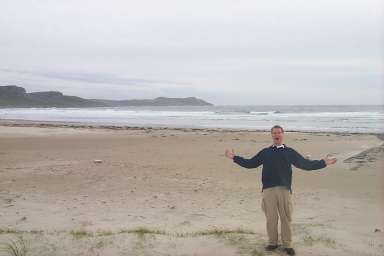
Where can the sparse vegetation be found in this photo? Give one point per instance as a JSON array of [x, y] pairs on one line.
[[241, 239], [140, 231], [104, 233], [14, 231], [13, 247], [220, 232], [246, 242], [8, 231], [311, 240], [78, 234]]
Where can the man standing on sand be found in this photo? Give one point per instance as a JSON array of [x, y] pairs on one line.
[[277, 178]]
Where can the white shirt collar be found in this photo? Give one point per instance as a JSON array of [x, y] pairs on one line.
[[278, 146]]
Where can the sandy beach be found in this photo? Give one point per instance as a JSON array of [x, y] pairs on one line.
[[172, 192]]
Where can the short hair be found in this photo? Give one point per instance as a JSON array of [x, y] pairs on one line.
[[277, 127]]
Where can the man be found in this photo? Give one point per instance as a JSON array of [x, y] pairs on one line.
[[277, 178]]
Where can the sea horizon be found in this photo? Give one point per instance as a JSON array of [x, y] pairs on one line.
[[322, 118]]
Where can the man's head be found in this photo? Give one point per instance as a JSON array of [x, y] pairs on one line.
[[277, 133]]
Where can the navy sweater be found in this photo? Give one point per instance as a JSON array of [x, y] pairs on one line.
[[277, 169]]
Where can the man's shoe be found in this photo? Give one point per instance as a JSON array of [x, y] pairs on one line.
[[289, 251], [271, 247]]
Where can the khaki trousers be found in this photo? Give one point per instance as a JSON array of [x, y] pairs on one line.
[[277, 202]]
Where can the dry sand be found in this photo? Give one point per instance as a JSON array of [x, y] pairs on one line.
[[172, 192]]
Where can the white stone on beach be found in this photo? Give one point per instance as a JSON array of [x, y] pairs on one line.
[[97, 161]]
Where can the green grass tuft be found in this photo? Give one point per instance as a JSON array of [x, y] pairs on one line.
[[78, 234], [142, 231], [8, 231], [221, 232]]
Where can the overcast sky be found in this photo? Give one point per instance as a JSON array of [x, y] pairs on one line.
[[226, 52]]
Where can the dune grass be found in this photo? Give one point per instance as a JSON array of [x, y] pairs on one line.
[[80, 233], [17, 247], [232, 237]]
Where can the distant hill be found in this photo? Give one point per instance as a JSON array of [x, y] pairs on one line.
[[15, 96]]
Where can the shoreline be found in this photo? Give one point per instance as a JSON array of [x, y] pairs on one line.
[[81, 125]]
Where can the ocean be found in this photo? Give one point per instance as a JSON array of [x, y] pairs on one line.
[[358, 119]]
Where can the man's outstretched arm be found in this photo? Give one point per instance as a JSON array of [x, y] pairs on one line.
[[254, 162], [300, 162]]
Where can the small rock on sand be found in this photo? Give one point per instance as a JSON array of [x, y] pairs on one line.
[[97, 161]]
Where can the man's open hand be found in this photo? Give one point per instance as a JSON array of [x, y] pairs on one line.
[[230, 154], [329, 160]]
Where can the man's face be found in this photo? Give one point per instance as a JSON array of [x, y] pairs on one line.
[[277, 135]]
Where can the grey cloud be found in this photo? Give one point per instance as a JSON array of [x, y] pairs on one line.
[[250, 49], [97, 78]]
